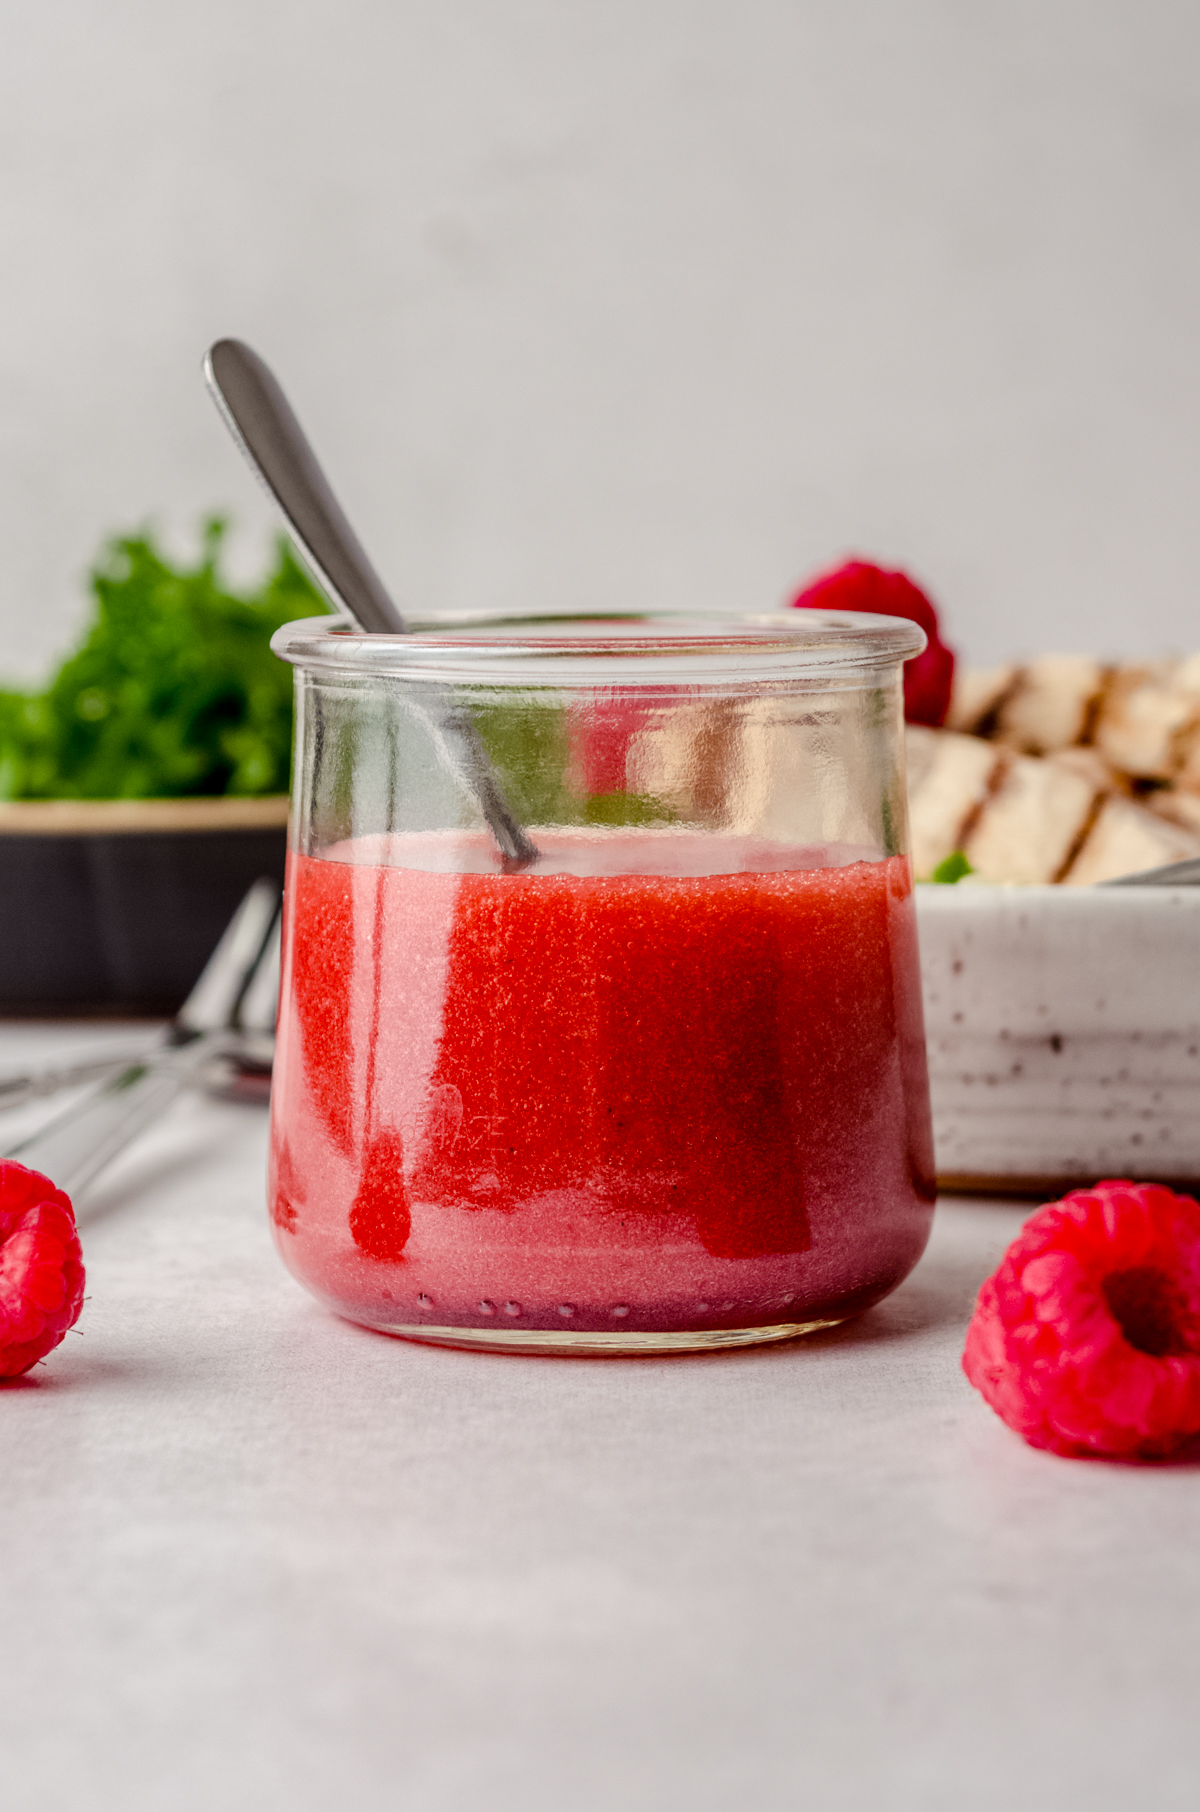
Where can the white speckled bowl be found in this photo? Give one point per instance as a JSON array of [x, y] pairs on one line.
[[1063, 1028]]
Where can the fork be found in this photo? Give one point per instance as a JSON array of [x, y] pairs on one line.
[[229, 1013]]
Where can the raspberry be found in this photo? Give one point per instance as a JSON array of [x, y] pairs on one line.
[[860, 586], [41, 1268], [1087, 1338]]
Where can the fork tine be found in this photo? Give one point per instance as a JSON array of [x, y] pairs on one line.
[[74, 1146], [213, 1002], [260, 1001]]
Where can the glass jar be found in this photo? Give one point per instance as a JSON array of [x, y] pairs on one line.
[[600, 1026]]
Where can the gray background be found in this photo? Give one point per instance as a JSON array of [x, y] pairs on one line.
[[619, 301]]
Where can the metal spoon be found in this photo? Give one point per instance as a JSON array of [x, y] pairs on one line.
[[1175, 874], [264, 425]]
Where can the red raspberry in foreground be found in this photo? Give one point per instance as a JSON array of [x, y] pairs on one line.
[[41, 1268], [1087, 1338], [860, 586]]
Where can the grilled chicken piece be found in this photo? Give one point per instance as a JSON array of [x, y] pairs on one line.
[[1125, 839], [1031, 825], [1148, 717], [1090, 764], [1187, 741], [976, 694], [1178, 806], [1050, 705], [949, 777]]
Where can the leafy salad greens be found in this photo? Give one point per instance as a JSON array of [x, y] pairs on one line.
[[174, 689]]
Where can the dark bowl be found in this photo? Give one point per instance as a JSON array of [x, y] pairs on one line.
[[114, 906]]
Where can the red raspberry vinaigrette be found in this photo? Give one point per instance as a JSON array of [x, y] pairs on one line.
[[631, 1109]]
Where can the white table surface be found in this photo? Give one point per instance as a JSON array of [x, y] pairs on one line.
[[253, 1556]]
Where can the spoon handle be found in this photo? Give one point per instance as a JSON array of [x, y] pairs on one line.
[[263, 423], [1174, 874]]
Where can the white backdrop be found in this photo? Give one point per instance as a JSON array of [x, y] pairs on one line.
[[620, 301]]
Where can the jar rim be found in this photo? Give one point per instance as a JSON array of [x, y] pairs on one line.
[[609, 648]]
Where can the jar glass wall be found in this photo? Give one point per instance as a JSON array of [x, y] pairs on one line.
[[600, 1027]]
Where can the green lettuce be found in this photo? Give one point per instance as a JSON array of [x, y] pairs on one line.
[[173, 691]]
